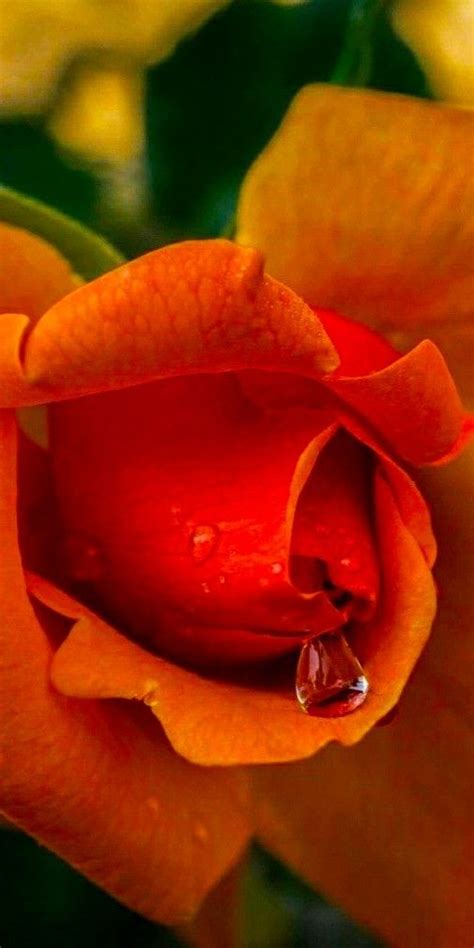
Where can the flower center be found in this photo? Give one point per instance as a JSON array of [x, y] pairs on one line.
[[178, 523]]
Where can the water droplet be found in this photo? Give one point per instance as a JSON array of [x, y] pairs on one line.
[[153, 803], [205, 588], [203, 542], [330, 681], [83, 558], [276, 568], [222, 580], [200, 831]]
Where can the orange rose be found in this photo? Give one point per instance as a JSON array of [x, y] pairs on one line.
[[226, 486]]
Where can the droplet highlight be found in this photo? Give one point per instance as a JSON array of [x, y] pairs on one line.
[[83, 558], [330, 681], [200, 832], [203, 542]]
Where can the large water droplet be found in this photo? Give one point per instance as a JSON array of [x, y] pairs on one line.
[[203, 542], [83, 558], [330, 681]]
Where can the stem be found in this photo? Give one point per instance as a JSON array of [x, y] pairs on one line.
[[354, 65]]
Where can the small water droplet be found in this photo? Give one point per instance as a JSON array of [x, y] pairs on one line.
[[83, 558], [203, 542], [330, 681], [222, 580], [276, 568], [346, 561], [200, 831], [205, 588], [153, 803]]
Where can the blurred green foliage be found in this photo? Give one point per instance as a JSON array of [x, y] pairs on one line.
[[210, 109]]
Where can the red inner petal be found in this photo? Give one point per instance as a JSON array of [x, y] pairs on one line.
[[179, 491], [332, 540], [360, 349], [38, 523]]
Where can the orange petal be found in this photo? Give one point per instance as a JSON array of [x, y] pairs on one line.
[[33, 275], [211, 721], [388, 833], [362, 203], [192, 307], [97, 782], [412, 404]]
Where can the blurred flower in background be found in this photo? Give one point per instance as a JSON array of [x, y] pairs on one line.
[[441, 34], [82, 64]]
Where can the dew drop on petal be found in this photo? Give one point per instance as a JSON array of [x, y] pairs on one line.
[[153, 804], [203, 541], [200, 832], [330, 681], [83, 558]]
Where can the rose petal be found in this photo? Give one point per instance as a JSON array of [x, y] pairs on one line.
[[191, 307], [411, 404], [211, 721], [361, 350], [33, 275], [94, 781], [38, 524], [188, 492], [333, 519], [362, 202], [388, 834]]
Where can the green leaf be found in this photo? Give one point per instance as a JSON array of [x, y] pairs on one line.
[[88, 254]]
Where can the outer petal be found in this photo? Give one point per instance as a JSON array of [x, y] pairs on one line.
[[191, 307], [362, 203], [32, 273], [387, 833], [94, 781], [221, 722], [411, 404]]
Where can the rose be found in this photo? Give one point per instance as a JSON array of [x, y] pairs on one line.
[[239, 310]]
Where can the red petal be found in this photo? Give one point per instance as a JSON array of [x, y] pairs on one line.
[[188, 491], [333, 520], [412, 404], [223, 722]]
